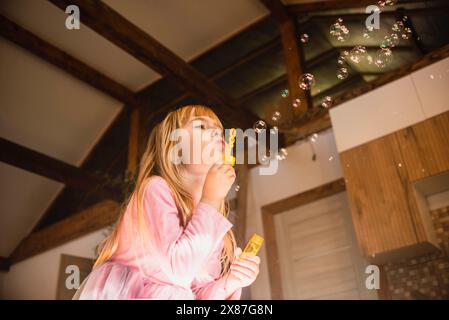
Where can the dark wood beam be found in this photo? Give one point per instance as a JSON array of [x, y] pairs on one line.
[[114, 27], [177, 100], [324, 5], [5, 264], [293, 55], [99, 216], [54, 169], [425, 11], [321, 115], [133, 143], [66, 62]]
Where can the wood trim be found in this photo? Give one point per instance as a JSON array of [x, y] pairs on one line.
[[5, 264], [57, 170], [334, 5], [66, 62], [86, 221], [114, 27], [242, 198], [268, 213], [133, 142]]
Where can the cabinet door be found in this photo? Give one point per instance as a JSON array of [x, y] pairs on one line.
[[425, 147], [377, 187]]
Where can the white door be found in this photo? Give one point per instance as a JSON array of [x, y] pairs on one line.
[[318, 253]]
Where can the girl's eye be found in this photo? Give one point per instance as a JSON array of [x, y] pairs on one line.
[[200, 126]]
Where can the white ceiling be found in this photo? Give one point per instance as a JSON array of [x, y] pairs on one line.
[[45, 109]]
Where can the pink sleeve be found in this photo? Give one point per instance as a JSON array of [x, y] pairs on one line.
[[214, 290], [183, 252]]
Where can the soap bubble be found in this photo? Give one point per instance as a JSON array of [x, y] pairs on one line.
[[282, 155], [314, 137], [327, 102], [390, 41], [284, 93], [259, 126], [237, 188], [357, 54], [406, 33], [276, 116], [306, 81], [296, 103], [339, 30], [383, 58], [304, 38], [398, 26], [342, 73], [368, 31], [342, 57]]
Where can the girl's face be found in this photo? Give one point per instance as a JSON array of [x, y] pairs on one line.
[[205, 142]]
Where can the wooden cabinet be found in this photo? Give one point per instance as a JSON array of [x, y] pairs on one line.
[[387, 211], [425, 147]]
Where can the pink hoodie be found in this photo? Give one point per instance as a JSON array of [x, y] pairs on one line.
[[182, 264]]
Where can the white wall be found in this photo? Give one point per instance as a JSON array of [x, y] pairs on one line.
[[402, 103], [37, 277], [296, 174]]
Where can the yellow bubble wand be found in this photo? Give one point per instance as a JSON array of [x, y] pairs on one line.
[[228, 157]]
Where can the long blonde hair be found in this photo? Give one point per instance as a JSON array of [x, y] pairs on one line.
[[156, 160]]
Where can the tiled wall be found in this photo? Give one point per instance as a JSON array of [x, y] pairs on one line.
[[425, 277]]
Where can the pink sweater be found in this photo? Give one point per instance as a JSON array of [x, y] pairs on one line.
[[182, 264]]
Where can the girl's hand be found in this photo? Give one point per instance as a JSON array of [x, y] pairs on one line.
[[243, 272], [219, 180]]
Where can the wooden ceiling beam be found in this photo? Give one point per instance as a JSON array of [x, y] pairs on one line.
[[293, 55], [99, 216], [114, 27], [66, 62], [319, 6], [54, 169], [5, 264]]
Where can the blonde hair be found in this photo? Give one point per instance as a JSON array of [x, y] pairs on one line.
[[156, 160]]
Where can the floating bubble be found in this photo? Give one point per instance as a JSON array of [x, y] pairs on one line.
[[383, 58], [331, 158], [342, 73], [368, 31], [327, 102], [398, 26], [314, 137], [237, 188], [276, 116], [259, 126], [339, 30], [306, 81], [264, 159], [357, 54], [284, 93], [296, 103], [304, 38], [406, 33], [282, 155]]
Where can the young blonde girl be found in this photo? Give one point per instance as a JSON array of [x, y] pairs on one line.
[[173, 239]]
